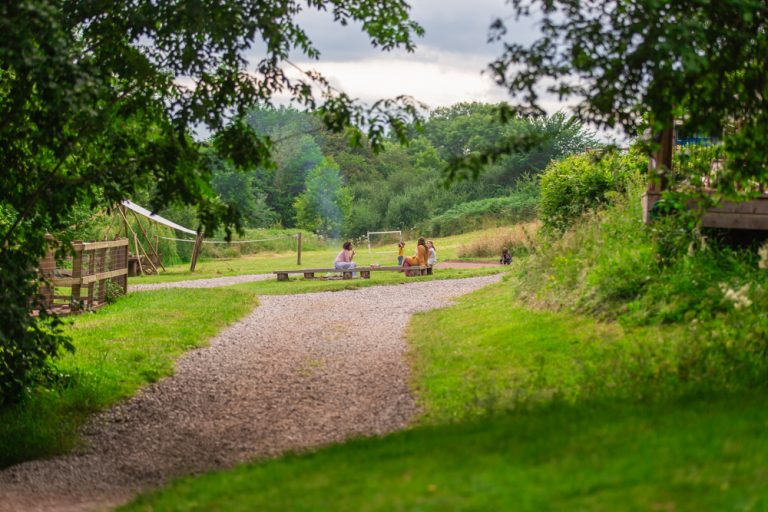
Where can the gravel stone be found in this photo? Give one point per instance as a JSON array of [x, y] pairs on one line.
[[299, 372], [213, 282]]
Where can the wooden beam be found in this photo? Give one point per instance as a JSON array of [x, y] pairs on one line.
[[298, 249], [196, 251], [149, 243]]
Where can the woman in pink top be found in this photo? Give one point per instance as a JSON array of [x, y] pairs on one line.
[[344, 258]]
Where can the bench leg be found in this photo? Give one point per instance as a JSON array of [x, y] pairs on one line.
[[282, 276], [365, 274], [347, 275], [429, 271], [309, 275]]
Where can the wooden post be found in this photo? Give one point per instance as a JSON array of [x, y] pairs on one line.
[[662, 159], [137, 253], [124, 254], [298, 249], [91, 271], [77, 272], [196, 251], [149, 243]]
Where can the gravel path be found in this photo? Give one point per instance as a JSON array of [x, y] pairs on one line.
[[299, 372], [201, 283]]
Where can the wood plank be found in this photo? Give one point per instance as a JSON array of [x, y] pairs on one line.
[[75, 281], [106, 244], [728, 220]]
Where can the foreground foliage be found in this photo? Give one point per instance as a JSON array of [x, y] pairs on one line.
[[101, 99], [632, 62]]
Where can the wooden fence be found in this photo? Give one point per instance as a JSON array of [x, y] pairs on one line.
[[84, 286]]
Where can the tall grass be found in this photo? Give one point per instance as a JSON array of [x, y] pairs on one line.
[[518, 239], [611, 265]]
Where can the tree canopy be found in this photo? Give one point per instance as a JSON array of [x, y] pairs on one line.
[[630, 63], [99, 99]]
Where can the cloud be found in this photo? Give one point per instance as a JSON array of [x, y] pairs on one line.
[[446, 68]]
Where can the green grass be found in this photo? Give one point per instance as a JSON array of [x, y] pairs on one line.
[[516, 416], [264, 263], [298, 284], [135, 341], [695, 456], [118, 349]]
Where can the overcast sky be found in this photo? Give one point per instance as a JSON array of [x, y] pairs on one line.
[[446, 67]]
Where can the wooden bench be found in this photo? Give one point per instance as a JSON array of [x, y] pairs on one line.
[[365, 272]]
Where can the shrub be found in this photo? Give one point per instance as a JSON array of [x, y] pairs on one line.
[[577, 184], [519, 206], [610, 264]]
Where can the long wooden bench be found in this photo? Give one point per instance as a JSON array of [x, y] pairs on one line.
[[365, 272]]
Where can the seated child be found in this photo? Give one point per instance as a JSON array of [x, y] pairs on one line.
[[506, 257]]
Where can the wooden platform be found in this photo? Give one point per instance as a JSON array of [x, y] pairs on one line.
[[751, 214]]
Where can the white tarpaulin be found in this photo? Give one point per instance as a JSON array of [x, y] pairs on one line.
[[148, 214]]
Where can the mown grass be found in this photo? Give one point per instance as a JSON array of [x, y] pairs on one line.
[[134, 342], [118, 349], [264, 263], [507, 425], [681, 457]]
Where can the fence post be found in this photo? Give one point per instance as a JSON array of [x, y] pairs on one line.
[[77, 272], [196, 251], [298, 249]]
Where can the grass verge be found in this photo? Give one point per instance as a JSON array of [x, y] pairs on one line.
[[677, 456], [517, 417], [118, 349]]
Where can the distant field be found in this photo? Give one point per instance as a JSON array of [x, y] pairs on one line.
[[261, 263]]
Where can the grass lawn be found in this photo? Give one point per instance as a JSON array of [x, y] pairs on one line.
[[263, 263], [122, 347], [119, 348], [483, 445], [681, 457]]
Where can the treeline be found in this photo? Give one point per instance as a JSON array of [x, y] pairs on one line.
[[321, 183]]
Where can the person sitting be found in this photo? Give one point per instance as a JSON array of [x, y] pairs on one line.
[[344, 258], [432, 258], [506, 257], [419, 259]]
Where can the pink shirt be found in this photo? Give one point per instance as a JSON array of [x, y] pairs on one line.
[[344, 256]]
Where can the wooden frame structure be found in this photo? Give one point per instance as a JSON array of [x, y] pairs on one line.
[[748, 215], [93, 265]]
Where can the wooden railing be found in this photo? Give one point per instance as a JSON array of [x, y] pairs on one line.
[[84, 285]]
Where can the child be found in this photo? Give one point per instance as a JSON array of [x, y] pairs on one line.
[[432, 259], [506, 258], [400, 253]]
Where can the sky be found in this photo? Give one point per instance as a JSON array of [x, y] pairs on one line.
[[446, 68]]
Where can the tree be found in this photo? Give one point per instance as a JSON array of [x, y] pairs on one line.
[[98, 99], [238, 188], [629, 62], [325, 203]]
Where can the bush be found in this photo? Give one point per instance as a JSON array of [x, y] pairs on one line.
[[577, 184], [519, 206], [610, 264]]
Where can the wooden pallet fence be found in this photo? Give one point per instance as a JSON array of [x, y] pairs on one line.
[[84, 286]]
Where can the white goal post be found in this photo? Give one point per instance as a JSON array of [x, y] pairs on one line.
[[369, 233]]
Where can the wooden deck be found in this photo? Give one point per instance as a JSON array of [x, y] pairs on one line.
[[729, 215]]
